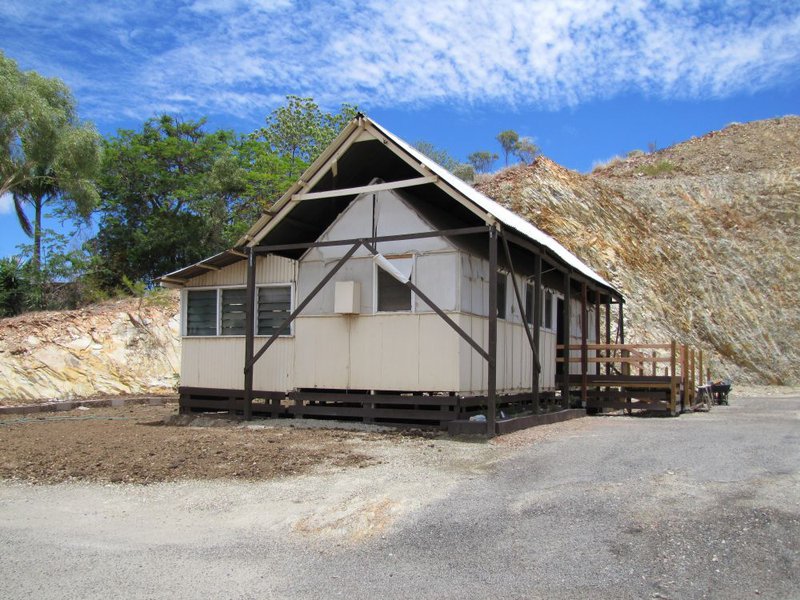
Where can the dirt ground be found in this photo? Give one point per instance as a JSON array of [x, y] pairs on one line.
[[702, 506], [132, 445]]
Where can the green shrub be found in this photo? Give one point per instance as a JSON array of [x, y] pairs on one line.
[[662, 167]]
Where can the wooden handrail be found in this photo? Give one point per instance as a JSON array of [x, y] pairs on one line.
[[629, 359], [616, 346]]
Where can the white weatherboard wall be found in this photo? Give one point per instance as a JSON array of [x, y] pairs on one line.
[[391, 351], [434, 258], [575, 322], [402, 351], [218, 361]]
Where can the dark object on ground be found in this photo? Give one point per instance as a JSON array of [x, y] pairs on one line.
[[720, 391]]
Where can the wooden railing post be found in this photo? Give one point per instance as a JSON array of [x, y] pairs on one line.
[[625, 364], [584, 342], [700, 369], [672, 373], [684, 378], [567, 338]]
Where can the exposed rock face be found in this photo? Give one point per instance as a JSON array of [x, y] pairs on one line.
[[120, 347], [703, 238]]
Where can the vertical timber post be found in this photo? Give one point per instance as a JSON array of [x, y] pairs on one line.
[[684, 376], [249, 333], [700, 369], [597, 330], [584, 341], [491, 368], [673, 363], [608, 336], [536, 321], [566, 340]]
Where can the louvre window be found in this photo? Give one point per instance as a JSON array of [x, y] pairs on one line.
[[529, 303], [201, 312], [274, 305], [548, 310], [501, 295], [233, 311], [392, 294]]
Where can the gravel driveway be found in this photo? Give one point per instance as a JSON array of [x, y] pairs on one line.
[[701, 506]]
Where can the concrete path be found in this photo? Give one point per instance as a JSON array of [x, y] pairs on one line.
[[700, 506]]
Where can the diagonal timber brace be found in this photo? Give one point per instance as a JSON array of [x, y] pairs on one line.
[[445, 317], [285, 325], [521, 305]]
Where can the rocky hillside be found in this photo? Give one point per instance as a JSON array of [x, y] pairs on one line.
[[702, 237], [119, 347]]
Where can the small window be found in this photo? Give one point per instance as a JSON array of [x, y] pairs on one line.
[[394, 295], [548, 310], [501, 295], [274, 306], [529, 303], [233, 311], [201, 312]]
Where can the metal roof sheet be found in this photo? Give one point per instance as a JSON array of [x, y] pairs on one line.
[[498, 211]]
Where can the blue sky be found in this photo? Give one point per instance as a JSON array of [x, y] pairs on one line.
[[587, 79]]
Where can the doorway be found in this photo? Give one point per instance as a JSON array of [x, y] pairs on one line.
[[560, 336]]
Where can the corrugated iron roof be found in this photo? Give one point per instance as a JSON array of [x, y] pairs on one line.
[[212, 263], [465, 191], [500, 212]]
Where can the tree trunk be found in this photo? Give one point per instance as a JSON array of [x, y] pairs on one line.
[[38, 205]]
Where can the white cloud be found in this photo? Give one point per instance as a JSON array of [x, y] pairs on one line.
[[232, 56], [6, 204]]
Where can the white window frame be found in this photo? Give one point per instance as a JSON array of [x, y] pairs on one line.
[[530, 284], [553, 308], [375, 268], [506, 311], [218, 289], [185, 311], [291, 309]]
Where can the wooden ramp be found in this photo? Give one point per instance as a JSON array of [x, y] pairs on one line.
[[650, 377]]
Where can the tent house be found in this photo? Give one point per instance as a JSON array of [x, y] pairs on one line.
[[381, 287]]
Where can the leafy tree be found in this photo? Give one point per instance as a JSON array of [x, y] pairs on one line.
[[59, 283], [47, 154], [508, 140], [262, 176], [166, 198], [464, 171], [525, 150], [482, 161], [300, 130]]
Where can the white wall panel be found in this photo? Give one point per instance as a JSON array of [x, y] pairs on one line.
[[269, 269], [322, 352], [392, 216], [310, 273], [406, 352], [514, 368], [218, 362], [437, 276]]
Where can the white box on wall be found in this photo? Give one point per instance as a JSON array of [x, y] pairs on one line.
[[347, 298]]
